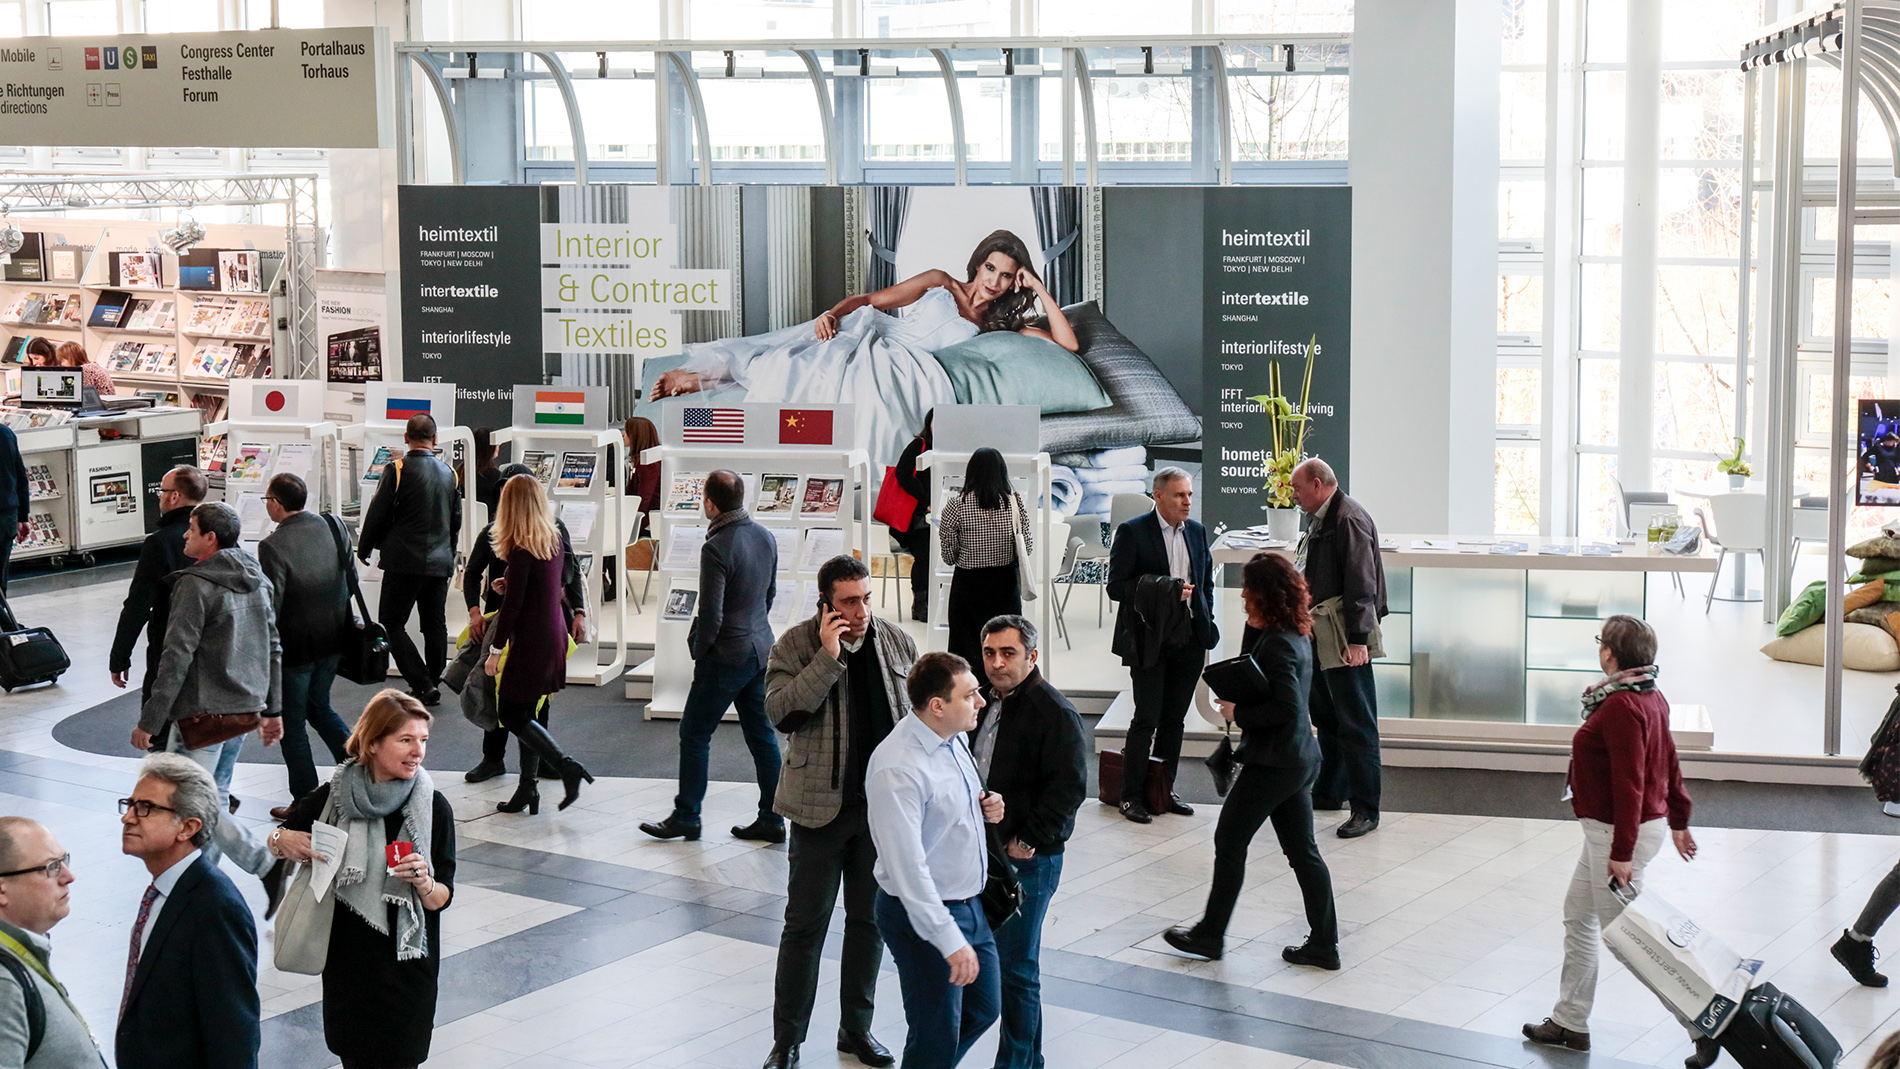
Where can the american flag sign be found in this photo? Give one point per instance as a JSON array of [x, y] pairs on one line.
[[713, 425]]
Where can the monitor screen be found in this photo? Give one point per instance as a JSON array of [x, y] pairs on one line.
[[50, 386], [1877, 454]]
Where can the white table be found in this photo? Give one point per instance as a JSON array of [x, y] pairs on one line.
[[1706, 489]]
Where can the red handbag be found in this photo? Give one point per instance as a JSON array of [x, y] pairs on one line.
[[895, 509]]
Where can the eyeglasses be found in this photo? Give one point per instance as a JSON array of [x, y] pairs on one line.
[[1598, 639], [51, 868], [143, 806]]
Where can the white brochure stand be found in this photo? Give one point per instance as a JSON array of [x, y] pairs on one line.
[[957, 431], [276, 425], [836, 474], [582, 452], [387, 407]]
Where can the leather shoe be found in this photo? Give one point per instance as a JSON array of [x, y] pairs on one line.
[[1706, 1051], [865, 1048], [281, 812], [783, 1056], [1311, 953], [673, 829], [1188, 941], [1551, 1033], [484, 771], [761, 831], [1857, 957], [1178, 807], [431, 697], [1357, 826], [1137, 812], [234, 803]]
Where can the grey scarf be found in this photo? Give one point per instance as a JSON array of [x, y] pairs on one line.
[[359, 806]]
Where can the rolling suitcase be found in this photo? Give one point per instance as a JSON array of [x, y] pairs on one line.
[[28, 655], [1773, 1031]]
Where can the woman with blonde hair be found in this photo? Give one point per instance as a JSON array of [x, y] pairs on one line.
[[386, 941], [73, 354], [531, 630]]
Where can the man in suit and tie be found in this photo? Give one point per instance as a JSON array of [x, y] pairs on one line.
[[1157, 558], [191, 971], [731, 641]]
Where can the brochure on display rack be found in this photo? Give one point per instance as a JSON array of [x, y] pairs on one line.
[[686, 493], [680, 603], [541, 463], [787, 545], [778, 495], [822, 496], [579, 517], [784, 600], [577, 471], [682, 548]]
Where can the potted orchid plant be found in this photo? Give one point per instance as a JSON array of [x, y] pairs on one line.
[[1737, 469], [1288, 424]]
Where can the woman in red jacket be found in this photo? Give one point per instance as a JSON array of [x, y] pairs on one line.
[[1626, 789]]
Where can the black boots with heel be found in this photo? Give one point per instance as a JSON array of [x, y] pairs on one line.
[[527, 789]]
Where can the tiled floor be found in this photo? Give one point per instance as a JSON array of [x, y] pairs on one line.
[[575, 940]]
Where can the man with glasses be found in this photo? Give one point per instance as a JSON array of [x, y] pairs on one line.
[[35, 876], [148, 602], [190, 994], [310, 594]]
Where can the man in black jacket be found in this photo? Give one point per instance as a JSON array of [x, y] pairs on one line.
[[1029, 746], [311, 597], [190, 995], [1339, 555], [1166, 544], [731, 643], [149, 601], [413, 519]]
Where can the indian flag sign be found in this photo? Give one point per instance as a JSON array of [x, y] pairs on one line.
[[559, 407]]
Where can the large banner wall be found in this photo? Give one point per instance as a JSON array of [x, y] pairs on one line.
[[1103, 308]]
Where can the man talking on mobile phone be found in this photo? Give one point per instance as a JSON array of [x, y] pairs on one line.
[[835, 684]]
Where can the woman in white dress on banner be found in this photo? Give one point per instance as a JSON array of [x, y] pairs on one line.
[[860, 352]]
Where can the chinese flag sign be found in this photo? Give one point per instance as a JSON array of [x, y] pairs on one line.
[[804, 426]]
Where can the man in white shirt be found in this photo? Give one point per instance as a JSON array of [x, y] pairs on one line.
[[927, 809], [34, 883]]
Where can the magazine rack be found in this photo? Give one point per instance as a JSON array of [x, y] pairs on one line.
[[117, 462], [957, 432], [48, 452], [784, 452], [564, 431], [266, 417]]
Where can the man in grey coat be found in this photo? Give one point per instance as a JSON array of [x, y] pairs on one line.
[[222, 656], [34, 884], [836, 684], [310, 599], [730, 640]]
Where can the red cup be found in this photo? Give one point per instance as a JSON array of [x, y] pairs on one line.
[[396, 851]]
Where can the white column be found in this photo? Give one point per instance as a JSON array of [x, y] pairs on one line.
[[1424, 276], [1642, 158]]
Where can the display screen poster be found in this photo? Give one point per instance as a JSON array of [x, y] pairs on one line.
[[471, 293], [1276, 288]]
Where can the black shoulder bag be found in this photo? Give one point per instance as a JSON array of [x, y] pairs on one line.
[[1002, 896], [365, 655]]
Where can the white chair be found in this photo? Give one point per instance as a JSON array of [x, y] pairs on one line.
[[633, 517], [1067, 575], [1121, 509], [1734, 524], [1809, 524], [1089, 530]]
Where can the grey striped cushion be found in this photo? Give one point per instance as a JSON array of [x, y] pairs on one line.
[[1147, 410]]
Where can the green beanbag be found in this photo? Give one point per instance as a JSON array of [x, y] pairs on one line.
[[1003, 367], [1805, 609]]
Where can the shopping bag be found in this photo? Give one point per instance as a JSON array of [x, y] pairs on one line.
[[895, 507], [1687, 966]]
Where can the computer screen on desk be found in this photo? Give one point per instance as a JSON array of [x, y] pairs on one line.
[[1877, 455], [58, 386]]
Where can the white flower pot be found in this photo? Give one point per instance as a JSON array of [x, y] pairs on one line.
[[1283, 524]]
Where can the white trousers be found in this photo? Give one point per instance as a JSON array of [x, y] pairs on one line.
[[1588, 906]]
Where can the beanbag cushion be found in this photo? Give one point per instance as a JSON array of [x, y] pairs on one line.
[[1804, 610], [1863, 596], [1877, 546], [1863, 648]]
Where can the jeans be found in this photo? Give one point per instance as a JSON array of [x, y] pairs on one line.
[[1282, 796], [307, 702], [1019, 949], [403, 594], [228, 836], [1588, 906], [717, 687], [1162, 695], [1345, 711], [1880, 905], [945, 1020], [821, 859]]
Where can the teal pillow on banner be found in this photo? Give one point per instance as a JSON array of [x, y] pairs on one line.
[[1007, 368]]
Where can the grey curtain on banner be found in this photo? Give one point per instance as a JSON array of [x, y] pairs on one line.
[[889, 206], [1058, 226], [616, 371]]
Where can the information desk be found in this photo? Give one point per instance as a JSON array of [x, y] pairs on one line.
[[1503, 638]]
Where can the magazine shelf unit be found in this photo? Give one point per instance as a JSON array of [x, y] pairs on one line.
[[48, 452], [563, 432], [813, 497], [276, 427]]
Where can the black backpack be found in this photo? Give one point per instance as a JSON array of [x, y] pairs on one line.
[[30, 994]]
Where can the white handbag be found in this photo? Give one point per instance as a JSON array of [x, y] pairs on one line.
[[302, 940], [1025, 573]]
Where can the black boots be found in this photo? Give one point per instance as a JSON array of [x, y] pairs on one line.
[[1857, 958], [572, 773], [527, 790]]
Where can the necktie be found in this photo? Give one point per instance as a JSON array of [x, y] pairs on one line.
[[132, 956]]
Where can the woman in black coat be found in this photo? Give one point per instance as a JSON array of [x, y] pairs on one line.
[[1279, 760], [379, 982]]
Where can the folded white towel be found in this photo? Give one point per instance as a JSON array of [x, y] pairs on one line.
[[1109, 489], [1065, 490], [1120, 474], [1118, 458]]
